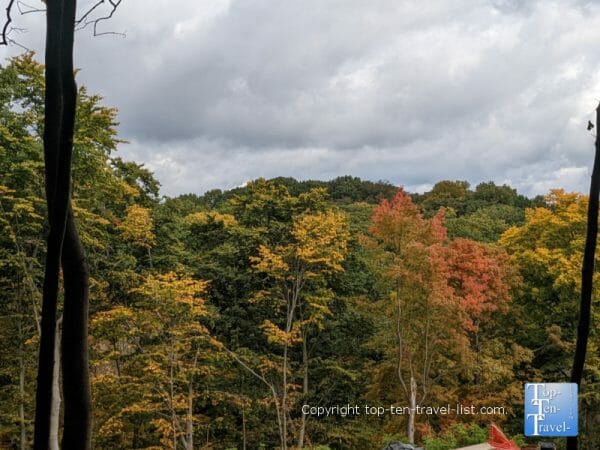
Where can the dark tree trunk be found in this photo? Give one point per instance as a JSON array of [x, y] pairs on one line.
[[76, 382], [587, 272], [63, 244], [57, 214]]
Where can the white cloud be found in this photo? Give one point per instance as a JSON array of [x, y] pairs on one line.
[[217, 92]]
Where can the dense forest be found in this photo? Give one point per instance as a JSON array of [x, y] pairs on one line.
[[214, 318]]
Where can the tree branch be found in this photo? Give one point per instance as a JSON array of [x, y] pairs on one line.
[[84, 21], [5, 29], [81, 23], [88, 12], [31, 9]]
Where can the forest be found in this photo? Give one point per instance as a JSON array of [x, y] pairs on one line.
[[215, 317]]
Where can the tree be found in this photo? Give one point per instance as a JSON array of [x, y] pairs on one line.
[[448, 194], [20, 226], [408, 248], [548, 249], [137, 228], [485, 224], [98, 200], [587, 276], [292, 256], [64, 248], [440, 295], [487, 194], [483, 281], [163, 348], [300, 297]]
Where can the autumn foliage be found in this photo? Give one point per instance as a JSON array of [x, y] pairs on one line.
[[441, 293], [216, 317]]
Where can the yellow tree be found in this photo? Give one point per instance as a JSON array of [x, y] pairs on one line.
[[548, 250], [168, 350], [297, 290], [138, 229]]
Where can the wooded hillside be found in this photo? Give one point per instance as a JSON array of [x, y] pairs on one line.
[[215, 317]]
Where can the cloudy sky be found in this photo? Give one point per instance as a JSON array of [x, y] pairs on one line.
[[213, 93]]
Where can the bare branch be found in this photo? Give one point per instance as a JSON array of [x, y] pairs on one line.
[[88, 12], [248, 368], [104, 33], [85, 20], [5, 29], [11, 41], [30, 9]]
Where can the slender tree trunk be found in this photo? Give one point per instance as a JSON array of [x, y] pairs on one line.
[[150, 258], [410, 391], [117, 360], [77, 432], [291, 304], [243, 427], [172, 398], [284, 398], [55, 410], [243, 415], [587, 274], [279, 420], [59, 118], [189, 423], [302, 431], [23, 437], [134, 439], [477, 355], [413, 410]]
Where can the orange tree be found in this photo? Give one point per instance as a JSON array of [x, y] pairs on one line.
[[441, 295]]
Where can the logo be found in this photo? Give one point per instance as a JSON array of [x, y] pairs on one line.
[[550, 409]]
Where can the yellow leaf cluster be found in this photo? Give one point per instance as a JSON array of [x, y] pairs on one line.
[[319, 244], [276, 335], [321, 239], [138, 226], [551, 240], [270, 262], [204, 218]]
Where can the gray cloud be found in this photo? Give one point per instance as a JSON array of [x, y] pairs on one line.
[[217, 92]]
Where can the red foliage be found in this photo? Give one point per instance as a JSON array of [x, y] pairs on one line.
[[477, 275], [480, 278]]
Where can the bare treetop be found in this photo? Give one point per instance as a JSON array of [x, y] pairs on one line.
[[93, 16]]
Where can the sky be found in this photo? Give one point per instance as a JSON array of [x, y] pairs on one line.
[[214, 93]]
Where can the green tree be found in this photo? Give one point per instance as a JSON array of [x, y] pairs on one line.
[[298, 293], [447, 194]]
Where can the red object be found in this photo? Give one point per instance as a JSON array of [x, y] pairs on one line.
[[499, 441]]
